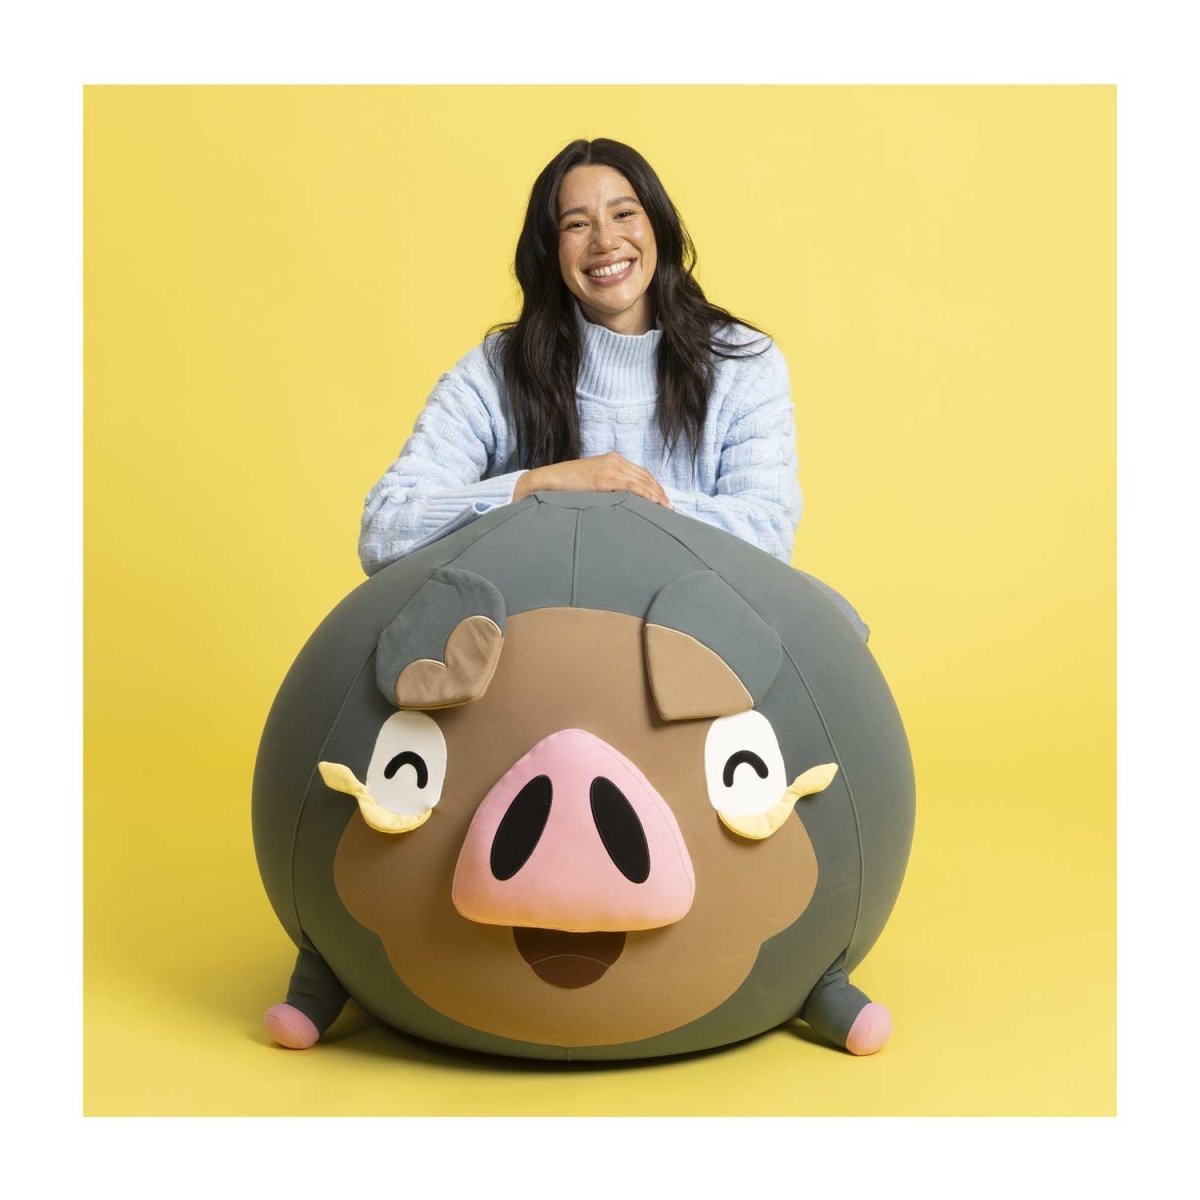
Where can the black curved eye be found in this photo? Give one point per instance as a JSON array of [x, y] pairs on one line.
[[620, 830], [521, 827], [743, 756], [408, 759]]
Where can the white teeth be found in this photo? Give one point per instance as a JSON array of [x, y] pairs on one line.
[[616, 269]]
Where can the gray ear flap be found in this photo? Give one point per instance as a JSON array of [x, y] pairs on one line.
[[708, 653], [443, 648]]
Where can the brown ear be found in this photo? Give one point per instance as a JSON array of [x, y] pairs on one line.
[[708, 653], [689, 679], [471, 655], [443, 648]]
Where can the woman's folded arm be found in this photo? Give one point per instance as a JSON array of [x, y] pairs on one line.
[[439, 481]]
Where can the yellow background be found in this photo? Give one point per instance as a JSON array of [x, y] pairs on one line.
[[274, 279]]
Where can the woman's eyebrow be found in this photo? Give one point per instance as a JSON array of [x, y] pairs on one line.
[[570, 212]]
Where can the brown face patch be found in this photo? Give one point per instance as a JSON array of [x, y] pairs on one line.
[[568, 668]]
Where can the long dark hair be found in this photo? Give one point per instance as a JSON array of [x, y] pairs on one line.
[[539, 352]]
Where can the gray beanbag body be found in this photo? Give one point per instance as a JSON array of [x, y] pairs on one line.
[[584, 779]]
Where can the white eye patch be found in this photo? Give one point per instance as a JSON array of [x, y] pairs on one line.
[[747, 782], [405, 775], [743, 764], [408, 764]]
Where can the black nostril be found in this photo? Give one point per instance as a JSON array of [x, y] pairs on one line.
[[521, 827], [620, 830]]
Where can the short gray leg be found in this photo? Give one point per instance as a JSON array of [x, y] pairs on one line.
[[837, 1010], [314, 999]]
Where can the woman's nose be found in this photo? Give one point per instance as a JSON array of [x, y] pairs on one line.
[[603, 234]]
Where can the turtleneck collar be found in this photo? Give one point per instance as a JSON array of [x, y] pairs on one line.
[[616, 366]]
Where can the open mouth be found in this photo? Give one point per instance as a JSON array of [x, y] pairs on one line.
[[568, 960], [614, 274]]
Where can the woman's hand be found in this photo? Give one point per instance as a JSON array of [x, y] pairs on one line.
[[603, 473]]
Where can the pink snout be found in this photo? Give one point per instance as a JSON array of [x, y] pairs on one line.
[[574, 837]]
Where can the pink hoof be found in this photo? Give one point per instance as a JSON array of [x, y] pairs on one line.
[[870, 1031], [290, 1027]]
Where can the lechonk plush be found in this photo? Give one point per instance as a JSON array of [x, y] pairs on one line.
[[585, 779]]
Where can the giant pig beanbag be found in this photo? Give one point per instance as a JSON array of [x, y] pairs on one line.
[[584, 779]]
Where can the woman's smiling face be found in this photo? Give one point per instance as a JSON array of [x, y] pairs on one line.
[[606, 248]]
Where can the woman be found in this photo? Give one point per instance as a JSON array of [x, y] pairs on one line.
[[616, 359]]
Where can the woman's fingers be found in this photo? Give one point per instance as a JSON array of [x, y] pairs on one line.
[[639, 481], [609, 472], [659, 492], [640, 489], [650, 488]]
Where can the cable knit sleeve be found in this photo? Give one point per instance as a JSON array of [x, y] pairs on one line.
[[758, 490], [440, 480]]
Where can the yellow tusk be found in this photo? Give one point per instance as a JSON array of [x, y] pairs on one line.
[[815, 779], [342, 779], [757, 826]]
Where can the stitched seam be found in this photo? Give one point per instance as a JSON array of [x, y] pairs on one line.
[[820, 717], [313, 774], [575, 559]]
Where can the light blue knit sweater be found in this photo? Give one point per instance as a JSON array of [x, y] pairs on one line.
[[459, 462]]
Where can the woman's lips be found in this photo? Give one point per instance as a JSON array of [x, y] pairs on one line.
[[609, 280], [568, 960]]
